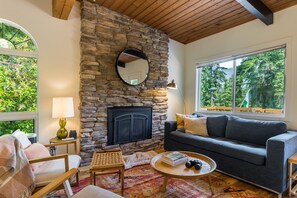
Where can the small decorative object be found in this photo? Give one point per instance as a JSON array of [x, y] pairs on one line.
[[67, 139], [196, 163], [174, 158], [62, 108], [52, 150], [73, 134]]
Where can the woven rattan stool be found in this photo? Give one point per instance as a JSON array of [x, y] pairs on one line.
[[105, 162]]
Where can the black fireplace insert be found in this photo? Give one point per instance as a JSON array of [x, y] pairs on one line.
[[128, 124]]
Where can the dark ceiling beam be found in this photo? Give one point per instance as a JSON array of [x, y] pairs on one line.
[[258, 9]]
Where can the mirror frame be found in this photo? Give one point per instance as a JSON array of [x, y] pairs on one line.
[[144, 58]]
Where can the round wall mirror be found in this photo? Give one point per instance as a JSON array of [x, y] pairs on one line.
[[132, 66]]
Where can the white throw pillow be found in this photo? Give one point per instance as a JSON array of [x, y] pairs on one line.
[[196, 126], [22, 137]]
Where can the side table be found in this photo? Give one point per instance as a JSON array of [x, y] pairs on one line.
[[57, 142], [105, 162], [292, 176]]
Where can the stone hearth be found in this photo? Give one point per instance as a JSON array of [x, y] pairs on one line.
[[104, 34]]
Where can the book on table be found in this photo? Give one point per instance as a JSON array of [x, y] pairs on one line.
[[174, 158]]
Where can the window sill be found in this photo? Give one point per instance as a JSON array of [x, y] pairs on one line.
[[272, 117]]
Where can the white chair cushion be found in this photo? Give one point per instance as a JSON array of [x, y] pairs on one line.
[[95, 192], [50, 170]]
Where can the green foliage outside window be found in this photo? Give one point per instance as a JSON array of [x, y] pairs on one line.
[[216, 89], [260, 82], [264, 75], [8, 127], [15, 38], [18, 79]]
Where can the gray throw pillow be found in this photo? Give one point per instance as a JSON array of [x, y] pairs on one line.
[[253, 131], [216, 125]]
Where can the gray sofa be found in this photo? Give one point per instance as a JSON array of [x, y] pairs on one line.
[[255, 151]]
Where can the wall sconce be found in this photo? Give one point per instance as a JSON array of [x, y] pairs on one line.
[[172, 85], [62, 108]]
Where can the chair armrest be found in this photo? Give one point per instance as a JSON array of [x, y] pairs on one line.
[[64, 156], [279, 149], [54, 184]]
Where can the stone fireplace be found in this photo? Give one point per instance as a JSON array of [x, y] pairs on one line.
[[104, 34]]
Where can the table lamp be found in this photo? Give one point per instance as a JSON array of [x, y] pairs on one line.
[[62, 108]]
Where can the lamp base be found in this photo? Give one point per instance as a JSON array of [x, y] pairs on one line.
[[62, 132]]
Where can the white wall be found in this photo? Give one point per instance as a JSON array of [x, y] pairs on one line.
[[59, 56], [245, 38], [176, 72]]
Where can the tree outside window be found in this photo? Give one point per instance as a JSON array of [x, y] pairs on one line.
[[259, 85], [18, 80]]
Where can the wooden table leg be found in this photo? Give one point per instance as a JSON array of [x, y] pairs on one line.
[[91, 178], [94, 176], [122, 178], [209, 181], [290, 180], [164, 186]]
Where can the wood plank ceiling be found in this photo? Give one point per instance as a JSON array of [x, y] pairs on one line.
[[189, 20]]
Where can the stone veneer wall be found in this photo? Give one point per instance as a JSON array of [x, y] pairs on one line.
[[104, 34]]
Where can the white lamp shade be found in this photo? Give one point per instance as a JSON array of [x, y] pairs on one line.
[[63, 107]]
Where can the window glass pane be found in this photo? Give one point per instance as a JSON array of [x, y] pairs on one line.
[[6, 44], [15, 37], [216, 87], [8, 127], [18, 84], [134, 82], [260, 82]]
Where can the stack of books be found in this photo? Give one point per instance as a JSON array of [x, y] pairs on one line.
[[174, 158]]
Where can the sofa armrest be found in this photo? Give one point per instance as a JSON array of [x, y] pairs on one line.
[[169, 127], [279, 149]]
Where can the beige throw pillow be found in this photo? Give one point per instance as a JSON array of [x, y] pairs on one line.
[[196, 126]]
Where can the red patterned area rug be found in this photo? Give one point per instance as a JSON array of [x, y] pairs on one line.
[[143, 181]]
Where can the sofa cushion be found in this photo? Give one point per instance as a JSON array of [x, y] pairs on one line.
[[251, 153], [196, 126], [216, 125], [180, 119], [253, 131], [50, 170]]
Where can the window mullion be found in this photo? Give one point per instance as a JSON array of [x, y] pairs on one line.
[[234, 87], [198, 84]]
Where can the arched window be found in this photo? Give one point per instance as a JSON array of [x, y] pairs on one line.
[[18, 79]]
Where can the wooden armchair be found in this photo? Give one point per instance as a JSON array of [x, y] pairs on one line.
[[55, 166], [89, 191]]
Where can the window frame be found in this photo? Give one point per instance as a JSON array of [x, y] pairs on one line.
[[233, 58], [15, 116]]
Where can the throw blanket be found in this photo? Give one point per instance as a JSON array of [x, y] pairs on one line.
[[16, 176], [138, 158]]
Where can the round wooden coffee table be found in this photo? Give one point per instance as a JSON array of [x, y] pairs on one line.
[[180, 171]]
